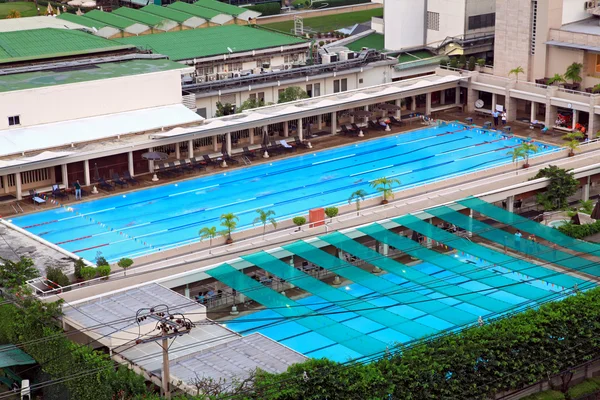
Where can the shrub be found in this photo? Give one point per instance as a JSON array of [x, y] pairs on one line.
[[546, 395], [88, 273], [481, 62], [586, 387], [444, 62], [77, 265], [471, 64], [454, 62], [125, 263], [100, 261], [266, 9], [103, 270], [331, 212], [580, 231], [321, 43], [56, 275], [299, 221]]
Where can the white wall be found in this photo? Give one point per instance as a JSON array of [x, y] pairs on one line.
[[88, 99], [404, 23], [573, 10], [452, 19]]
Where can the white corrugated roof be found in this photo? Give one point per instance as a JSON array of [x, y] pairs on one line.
[[48, 136], [23, 24]]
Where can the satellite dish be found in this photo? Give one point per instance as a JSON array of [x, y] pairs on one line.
[[479, 103]]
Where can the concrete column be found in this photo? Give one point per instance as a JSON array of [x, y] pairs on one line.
[[18, 185], [585, 190], [574, 119], [534, 109], [510, 103], [65, 175], [333, 123], [385, 249], [130, 166], [251, 131], [470, 231], [286, 129], [190, 148], [319, 122], [413, 104], [228, 138], [366, 108], [510, 203], [187, 291], [457, 95], [300, 129], [5, 183], [494, 101], [442, 97], [551, 111], [215, 143], [472, 96], [428, 104], [593, 121], [399, 111], [86, 172], [177, 151]]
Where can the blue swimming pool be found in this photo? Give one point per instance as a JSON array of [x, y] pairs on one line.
[[492, 291], [166, 216]]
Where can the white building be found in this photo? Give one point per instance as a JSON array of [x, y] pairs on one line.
[[410, 24]]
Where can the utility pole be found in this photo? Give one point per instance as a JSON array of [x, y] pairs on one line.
[[170, 325]]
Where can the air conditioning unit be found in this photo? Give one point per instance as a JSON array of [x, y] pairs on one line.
[[236, 75], [334, 58], [343, 55], [256, 71], [211, 78], [287, 66], [200, 79], [295, 57], [326, 58], [266, 65]]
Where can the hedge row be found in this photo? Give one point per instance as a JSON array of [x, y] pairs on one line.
[[580, 231]]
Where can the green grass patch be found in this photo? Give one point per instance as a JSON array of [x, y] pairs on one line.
[[330, 22], [547, 395], [372, 41], [414, 56], [26, 8]]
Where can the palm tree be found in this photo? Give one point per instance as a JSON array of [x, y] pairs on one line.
[[573, 141], [384, 186], [357, 196], [516, 153], [210, 234], [528, 148], [516, 72], [229, 222], [264, 217], [573, 72], [557, 78]]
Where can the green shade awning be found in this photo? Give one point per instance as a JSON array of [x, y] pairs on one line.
[[10, 356]]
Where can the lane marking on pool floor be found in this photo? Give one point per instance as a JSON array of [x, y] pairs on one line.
[[333, 159], [372, 170], [193, 190], [230, 204]]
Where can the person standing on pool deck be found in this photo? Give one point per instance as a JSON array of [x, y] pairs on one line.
[[495, 114], [503, 118], [77, 190], [518, 236]]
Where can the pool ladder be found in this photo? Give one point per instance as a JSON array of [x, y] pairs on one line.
[[20, 209], [246, 160]]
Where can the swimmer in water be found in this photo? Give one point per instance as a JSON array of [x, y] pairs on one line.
[[358, 181]]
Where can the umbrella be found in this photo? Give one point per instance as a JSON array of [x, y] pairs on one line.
[[265, 136], [360, 113], [388, 107], [155, 156], [50, 9], [581, 219], [596, 213], [96, 172]]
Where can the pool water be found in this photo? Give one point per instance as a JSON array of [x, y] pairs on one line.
[[162, 217], [525, 292], [557, 223]]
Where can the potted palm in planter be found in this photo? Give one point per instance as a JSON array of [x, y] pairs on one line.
[[229, 222], [384, 186], [356, 197], [573, 140], [265, 217], [516, 153], [528, 148], [210, 234]]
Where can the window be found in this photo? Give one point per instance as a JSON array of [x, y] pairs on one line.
[[360, 80], [309, 90], [316, 89], [261, 96], [433, 21], [598, 63], [336, 86], [340, 85], [344, 84], [16, 120], [533, 26], [482, 21], [201, 112]]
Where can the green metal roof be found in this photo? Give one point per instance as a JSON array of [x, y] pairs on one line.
[[111, 19], [140, 16], [82, 20], [183, 45], [221, 7], [94, 72], [169, 13], [50, 42], [197, 11], [10, 356], [372, 41]]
